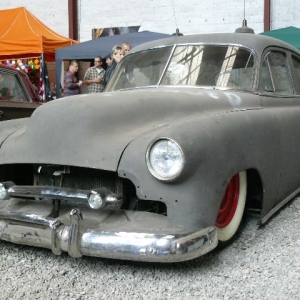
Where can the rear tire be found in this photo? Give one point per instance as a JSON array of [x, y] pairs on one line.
[[232, 208]]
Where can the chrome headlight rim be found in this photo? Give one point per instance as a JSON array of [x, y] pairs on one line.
[[149, 165]]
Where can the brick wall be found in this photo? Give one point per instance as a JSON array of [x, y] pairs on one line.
[[193, 16]]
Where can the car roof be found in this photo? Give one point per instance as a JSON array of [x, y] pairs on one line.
[[253, 41]]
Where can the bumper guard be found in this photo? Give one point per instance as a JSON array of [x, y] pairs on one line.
[[46, 232]]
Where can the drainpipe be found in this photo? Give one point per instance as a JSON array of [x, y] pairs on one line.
[[267, 13], [73, 19]]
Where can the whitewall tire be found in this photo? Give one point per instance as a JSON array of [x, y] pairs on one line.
[[232, 208]]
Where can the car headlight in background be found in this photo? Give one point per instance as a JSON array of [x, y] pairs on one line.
[[165, 159]]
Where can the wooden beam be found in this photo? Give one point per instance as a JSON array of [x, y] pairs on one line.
[[267, 14], [73, 19]]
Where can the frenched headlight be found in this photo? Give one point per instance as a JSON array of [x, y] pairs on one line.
[[165, 159]]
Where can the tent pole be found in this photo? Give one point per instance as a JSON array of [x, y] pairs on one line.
[[41, 89], [59, 73]]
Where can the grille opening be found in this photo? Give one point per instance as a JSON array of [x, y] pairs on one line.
[[77, 178], [132, 202], [20, 174], [80, 178]]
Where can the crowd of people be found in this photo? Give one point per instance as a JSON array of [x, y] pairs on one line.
[[97, 76]]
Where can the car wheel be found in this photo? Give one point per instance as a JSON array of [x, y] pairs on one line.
[[232, 208]]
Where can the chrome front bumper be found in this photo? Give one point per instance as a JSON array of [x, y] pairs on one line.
[[77, 238]]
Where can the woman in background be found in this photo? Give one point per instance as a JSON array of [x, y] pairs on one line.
[[117, 54]]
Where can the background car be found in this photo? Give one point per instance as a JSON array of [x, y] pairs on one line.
[[18, 98], [190, 132]]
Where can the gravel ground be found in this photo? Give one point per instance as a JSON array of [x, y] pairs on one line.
[[260, 264]]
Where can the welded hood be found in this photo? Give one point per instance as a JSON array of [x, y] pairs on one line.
[[93, 130]]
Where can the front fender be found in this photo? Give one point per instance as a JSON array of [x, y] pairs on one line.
[[215, 147]]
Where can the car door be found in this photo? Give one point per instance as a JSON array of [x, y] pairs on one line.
[[281, 101]]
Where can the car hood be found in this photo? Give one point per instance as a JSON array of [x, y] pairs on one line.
[[93, 130]]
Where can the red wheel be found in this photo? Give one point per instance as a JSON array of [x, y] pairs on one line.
[[232, 207]]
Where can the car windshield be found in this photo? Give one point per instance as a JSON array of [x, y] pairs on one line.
[[219, 66]]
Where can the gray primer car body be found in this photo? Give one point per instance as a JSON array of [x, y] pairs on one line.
[[220, 131]]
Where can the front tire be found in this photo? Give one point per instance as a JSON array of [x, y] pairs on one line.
[[232, 208]]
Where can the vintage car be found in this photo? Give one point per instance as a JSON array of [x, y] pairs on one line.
[[190, 132], [18, 98]]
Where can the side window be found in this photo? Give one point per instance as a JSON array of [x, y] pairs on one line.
[[296, 64], [266, 79], [275, 76]]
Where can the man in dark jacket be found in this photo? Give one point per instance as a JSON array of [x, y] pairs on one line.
[[71, 83]]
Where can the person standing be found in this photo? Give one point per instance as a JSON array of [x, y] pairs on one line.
[[126, 47], [94, 76], [71, 83], [108, 60], [117, 54], [4, 87]]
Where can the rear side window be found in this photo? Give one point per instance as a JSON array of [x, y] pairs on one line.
[[275, 76], [296, 64]]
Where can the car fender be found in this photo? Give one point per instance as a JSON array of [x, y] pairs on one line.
[[216, 147]]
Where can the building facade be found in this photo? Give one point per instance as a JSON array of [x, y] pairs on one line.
[[191, 17]]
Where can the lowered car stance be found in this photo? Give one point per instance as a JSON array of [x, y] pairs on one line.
[[190, 132]]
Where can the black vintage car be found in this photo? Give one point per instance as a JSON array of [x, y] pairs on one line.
[[18, 98], [190, 132]]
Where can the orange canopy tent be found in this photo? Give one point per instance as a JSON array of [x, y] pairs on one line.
[[23, 35]]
